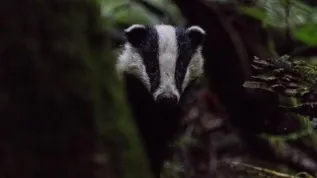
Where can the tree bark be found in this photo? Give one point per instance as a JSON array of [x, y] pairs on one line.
[[62, 108]]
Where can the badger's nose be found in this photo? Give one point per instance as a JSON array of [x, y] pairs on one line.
[[167, 99]]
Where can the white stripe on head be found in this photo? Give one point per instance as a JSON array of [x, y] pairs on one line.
[[131, 62], [168, 52]]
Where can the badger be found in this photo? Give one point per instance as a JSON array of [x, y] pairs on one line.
[[159, 64]]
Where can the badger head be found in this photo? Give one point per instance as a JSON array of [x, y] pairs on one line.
[[164, 58]]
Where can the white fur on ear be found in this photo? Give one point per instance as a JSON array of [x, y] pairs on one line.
[[196, 29], [133, 27], [196, 35]]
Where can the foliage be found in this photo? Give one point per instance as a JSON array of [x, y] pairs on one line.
[[134, 11], [293, 15], [295, 79], [287, 75]]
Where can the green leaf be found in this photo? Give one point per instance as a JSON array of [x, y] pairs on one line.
[[255, 12], [307, 34], [302, 5]]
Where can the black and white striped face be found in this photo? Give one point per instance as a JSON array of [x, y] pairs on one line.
[[164, 58]]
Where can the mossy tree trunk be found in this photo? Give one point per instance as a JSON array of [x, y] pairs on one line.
[[62, 109]]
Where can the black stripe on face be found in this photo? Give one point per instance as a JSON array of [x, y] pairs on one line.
[[185, 53], [149, 50]]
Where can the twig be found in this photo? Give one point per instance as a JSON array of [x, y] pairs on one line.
[[259, 170]]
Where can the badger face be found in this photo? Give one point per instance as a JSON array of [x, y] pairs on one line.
[[164, 58]]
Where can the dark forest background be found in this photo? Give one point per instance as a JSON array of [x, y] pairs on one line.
[[63, 109]]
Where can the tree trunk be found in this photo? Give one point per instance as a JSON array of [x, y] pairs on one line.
[[62, 108]]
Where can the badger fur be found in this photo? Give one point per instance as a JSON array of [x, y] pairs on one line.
[[159, 64]]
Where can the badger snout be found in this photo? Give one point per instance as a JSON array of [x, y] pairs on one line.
[[167, 99]]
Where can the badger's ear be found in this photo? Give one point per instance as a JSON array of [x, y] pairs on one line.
[[196, 35], [135, 34]]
